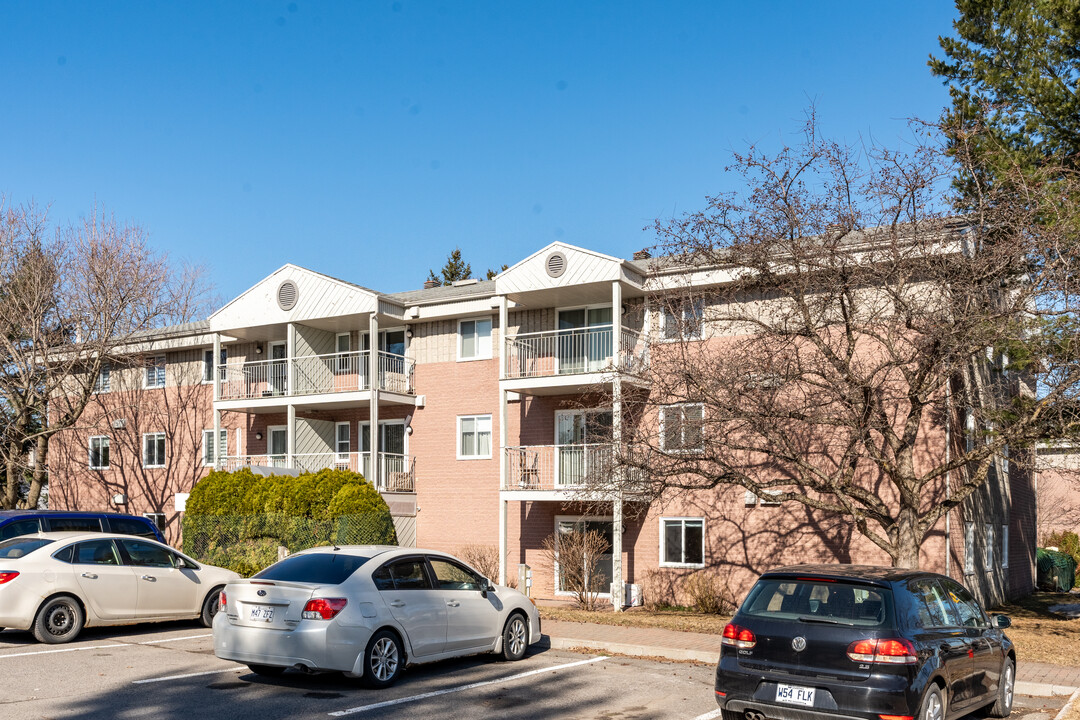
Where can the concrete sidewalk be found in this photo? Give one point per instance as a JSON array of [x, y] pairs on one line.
[[1040, 679]]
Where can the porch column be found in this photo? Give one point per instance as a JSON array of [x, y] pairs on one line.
[[616, 439], [290, 354], [503, 473], [502, 542], [373, 414], [290, 436]]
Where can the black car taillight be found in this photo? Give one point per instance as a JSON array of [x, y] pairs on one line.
[[323, 608], [886, 651], [739, 637]]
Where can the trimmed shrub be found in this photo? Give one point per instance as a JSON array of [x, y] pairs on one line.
[[707, 594]]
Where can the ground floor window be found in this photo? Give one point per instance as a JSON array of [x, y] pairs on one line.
[[154, 450], [682, 542], [99, 452], [209, 456], [602, 571]]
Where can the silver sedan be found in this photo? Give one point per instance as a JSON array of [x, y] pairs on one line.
[[369, 611], [56, 583]]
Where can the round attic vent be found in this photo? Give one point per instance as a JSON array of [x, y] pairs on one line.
[[556, 264], [287, 294]]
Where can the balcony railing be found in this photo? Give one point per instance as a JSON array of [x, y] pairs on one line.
[[569, 352], [314, 375], [397, 471], [561, 467]]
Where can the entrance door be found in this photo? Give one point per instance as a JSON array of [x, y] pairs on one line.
[[279, 368], [581, 439], [600, 573], [584, 341], [277, 445]]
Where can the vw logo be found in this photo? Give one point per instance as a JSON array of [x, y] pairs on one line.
[[799, 643], [262, 593]]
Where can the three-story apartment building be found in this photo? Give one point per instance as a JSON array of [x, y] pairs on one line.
[[478, 409]]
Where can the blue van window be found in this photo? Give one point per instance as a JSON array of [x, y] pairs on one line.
[[29, 526], [85, 524]]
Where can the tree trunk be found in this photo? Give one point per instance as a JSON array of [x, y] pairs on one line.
[[38, 480], [11, 490], [908, 540]]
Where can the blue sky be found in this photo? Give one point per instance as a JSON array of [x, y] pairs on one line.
[[367, 139]]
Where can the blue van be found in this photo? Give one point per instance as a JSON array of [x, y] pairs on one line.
[[28, 522]]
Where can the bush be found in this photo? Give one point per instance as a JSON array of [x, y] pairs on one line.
[[485, 558], [1066, 542], [707, 594], [657, 591]]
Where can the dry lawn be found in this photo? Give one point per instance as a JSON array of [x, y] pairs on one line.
[[1038, 634]]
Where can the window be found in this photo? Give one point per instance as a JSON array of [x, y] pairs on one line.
[[145, 554], [475, 339], [99, 452], [343, 346], [101, 382], [971, 615], [157, 518], [343, 443], [682, 428], [682, 542], [451, 576], [96, 552], [684, 323], [75, 524], [969, 548], [318, 568], [155, 372], [410, 575], [131, 526], [1004, 546], [969, 431], [208, 364], [209, 456], [19, 527], [153, 450], [474, 437], [988, 549]]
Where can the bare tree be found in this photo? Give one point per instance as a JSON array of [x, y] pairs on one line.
[[70, 299], [826, 323], [577, 554]]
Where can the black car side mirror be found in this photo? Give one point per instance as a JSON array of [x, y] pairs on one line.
[[1000, 621]]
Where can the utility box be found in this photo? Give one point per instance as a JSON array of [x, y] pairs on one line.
[[525, 580], [632, 595]]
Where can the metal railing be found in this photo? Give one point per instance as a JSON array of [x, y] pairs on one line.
[[560, 467], [568, 352], [397, 471], [314, 375]]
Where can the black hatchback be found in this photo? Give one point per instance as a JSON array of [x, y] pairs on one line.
[[848, 641]]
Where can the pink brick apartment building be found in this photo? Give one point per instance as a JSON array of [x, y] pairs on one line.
[[472, 408]]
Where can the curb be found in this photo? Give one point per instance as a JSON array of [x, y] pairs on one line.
[[1068, 706], [635, 650], [1043, 689]]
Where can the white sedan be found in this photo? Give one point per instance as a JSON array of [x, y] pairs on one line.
[[369, 611], [57, 583]]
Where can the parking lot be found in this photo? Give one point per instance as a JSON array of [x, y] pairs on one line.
[[169, 671]]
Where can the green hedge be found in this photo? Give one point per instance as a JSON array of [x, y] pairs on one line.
[[238, 519]]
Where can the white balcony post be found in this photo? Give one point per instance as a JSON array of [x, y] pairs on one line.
[[616, 324], [290, 436], [616, 436], [503, 474], [290, 354], [502, 542], [219, 462], [376, 478], [216, 369], [504, 337]]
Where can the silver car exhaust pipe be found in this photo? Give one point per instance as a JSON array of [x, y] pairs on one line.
[[754, 715]]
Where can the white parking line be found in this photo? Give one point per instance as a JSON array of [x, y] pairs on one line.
[[187, 675], [61, 650], [710, 715], [460, 688], [189, 637]]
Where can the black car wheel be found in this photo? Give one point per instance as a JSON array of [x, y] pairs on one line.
[[266, 670], [210, 607], [515, 637], [59, 620], [933, 704], [384, 659], [1006, 687]]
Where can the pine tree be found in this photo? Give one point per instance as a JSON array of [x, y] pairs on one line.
[[455, 269]]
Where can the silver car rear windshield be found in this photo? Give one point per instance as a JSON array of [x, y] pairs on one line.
[[813, 600], [17, 547], [318, 568]]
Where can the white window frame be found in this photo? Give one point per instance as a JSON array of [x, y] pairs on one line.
[[153, 517], [483, 350], [491, 434], [90, 452], [969, 431], [223, 446], [342, 458], [969, 548], [164, 459], [689, 306], [559, 519], [663, 542], [663, 433], [211, 366], [1005, 546], [105, 371], [988, 547], [156, 365]]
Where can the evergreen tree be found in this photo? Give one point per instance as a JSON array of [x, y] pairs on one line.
[[454, 269], [492, 273]]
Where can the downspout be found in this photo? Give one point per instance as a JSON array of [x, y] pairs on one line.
[[948, 477]]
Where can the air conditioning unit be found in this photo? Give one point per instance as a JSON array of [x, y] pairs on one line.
[[119, 423]]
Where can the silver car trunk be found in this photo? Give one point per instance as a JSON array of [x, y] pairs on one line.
[[267, 603]]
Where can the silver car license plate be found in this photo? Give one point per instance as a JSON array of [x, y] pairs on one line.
[[264, 613], [795, 695]]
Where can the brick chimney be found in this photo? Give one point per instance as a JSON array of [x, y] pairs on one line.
[[642, 254], [428, 284]]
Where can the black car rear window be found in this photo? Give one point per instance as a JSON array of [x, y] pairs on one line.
[[814, 600], [318, 568], [18, 547]]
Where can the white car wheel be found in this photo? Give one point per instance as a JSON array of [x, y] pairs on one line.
[[515, 637], [383, 659]]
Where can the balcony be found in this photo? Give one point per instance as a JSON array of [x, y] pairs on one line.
[[567, 358], [560, 471], [347, 372], [397, 473]]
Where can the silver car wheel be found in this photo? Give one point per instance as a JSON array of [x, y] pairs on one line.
[[516, 635], [384, 659], [1009, 684], [934, 709]]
